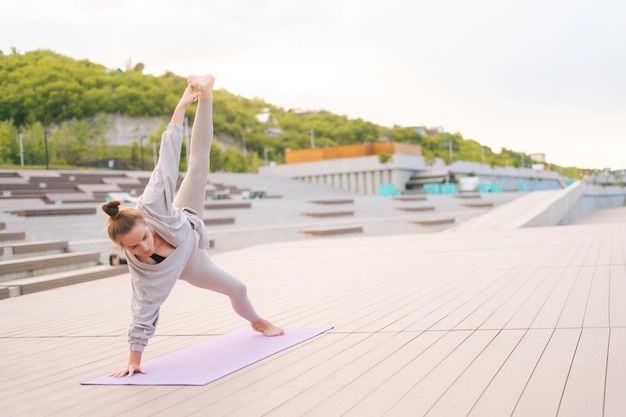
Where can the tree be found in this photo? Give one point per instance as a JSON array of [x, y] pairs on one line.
[[233, 161], [254, 162], [384, 157], [215, 158], [34, 148], [70, 142], [9, 143], [134, 154]]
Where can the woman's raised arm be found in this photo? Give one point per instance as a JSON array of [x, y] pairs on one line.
[[189, 96]]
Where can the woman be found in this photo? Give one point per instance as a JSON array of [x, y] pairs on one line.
[[164, 237]]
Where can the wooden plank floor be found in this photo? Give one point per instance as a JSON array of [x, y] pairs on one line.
[[528, 322]]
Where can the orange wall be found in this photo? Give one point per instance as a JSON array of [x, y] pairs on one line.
[[386, 147], [407, 149], [304, 155], [347, 151], [350, 151]]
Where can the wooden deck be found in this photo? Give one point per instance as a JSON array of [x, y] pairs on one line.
[[525, 322]]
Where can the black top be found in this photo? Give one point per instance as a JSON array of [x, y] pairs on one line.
[[157, 258]]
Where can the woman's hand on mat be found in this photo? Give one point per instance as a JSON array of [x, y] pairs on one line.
[[134, 365], [129, 370]]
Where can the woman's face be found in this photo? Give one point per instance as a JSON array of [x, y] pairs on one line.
[[139, 241]]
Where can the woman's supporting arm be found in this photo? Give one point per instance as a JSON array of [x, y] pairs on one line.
[[134, 365]]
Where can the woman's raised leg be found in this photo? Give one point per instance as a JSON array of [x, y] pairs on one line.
[[192, 190]]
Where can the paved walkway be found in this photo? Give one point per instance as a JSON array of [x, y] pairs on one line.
[[525, 322]]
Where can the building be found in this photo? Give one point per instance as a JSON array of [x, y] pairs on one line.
[[363, 168]]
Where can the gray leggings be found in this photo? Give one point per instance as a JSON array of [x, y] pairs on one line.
[[201, 271]]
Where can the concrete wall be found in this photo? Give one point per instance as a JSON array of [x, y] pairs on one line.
[[594, 198], [548, 208], [555, 206], [509, 177]]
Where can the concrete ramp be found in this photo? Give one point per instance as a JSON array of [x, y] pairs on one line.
[[535, 209]]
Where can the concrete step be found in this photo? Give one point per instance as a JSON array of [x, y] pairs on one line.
[[410, 198], [29, 248], [37, 265], [417, 208], [227, 205], [54, 211], [433, 222], [219, 220], [49, 281], [329, 214], [8, 236], [333, 230], [479, 205], [333, 201]]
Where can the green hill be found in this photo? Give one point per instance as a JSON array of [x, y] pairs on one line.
[[63, 102]]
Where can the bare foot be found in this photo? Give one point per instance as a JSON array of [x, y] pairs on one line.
[[267, 328], [202, 83]]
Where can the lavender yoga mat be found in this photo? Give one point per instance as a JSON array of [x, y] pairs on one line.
[[208, 361]]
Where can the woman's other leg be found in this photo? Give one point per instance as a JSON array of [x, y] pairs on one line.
[[202, 272], [192, 190]]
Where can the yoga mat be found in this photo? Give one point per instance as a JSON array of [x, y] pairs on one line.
[[211, 360]]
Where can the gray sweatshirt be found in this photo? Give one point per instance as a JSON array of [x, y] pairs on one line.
[[181, 228]]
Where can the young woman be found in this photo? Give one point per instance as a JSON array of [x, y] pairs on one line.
[[164, 237]]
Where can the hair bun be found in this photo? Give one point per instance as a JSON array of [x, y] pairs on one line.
[[112, 208]]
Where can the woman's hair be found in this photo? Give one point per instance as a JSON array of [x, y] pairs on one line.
[[121, 219]]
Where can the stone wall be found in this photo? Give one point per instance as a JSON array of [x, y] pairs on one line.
[[124, 130]]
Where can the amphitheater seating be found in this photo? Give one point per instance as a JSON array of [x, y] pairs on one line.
[[36, 266], [57, 187]]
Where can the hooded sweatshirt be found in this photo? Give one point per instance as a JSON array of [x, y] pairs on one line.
[[182, 228]]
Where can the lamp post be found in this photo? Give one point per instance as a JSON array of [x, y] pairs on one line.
[[244, 133], [312, 132], [265, 152], [45, 139], [21, 147], [143, 163]]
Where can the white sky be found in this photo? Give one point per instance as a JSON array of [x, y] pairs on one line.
[[534, 76]]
